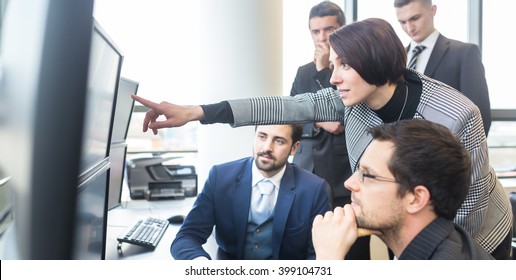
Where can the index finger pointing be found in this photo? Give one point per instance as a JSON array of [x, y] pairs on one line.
[[144, 102]]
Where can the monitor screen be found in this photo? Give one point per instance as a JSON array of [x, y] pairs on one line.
[[45, 56], [92, 191], [117, 155], [60, 74], [91, 214], [104, 74], [124, 109]]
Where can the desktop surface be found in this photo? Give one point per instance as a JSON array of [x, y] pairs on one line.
[[509, 184], [123, 216]]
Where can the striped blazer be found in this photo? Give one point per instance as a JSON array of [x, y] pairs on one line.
[[486, 211]]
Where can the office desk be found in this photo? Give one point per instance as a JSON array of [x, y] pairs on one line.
[[509, 184], [124, 216]]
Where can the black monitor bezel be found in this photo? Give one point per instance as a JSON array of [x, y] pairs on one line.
[[97, 28], [101, 166]]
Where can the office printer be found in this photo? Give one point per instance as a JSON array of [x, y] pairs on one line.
[[150, 178]]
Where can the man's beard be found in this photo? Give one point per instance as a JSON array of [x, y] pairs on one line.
[[275, 165]]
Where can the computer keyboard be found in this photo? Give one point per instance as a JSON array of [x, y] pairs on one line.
[[146, 232]]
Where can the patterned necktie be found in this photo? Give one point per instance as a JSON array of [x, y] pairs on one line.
[[261, 207], [415, 52]]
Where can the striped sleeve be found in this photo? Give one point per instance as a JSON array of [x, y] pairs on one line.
[[325, 105]]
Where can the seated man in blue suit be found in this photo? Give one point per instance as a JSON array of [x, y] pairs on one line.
[[230, 201]]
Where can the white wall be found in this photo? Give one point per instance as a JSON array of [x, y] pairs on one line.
[[200, 52]]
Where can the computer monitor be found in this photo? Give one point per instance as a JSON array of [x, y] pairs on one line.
[[91, 214], [124, 109], [104, 75], [117, 153], [45, 57], [60, 74], [94, 178], [117, 159]]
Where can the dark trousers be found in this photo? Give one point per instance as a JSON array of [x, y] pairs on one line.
[[360, 250]]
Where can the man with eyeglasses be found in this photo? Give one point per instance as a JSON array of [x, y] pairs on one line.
[[409, 184]]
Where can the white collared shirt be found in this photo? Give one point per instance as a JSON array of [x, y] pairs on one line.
[[424, 56]]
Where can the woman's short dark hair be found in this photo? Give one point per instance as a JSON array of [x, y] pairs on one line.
[[373, 49]]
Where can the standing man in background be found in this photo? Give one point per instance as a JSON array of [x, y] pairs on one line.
[[323, 145], [455, 63]]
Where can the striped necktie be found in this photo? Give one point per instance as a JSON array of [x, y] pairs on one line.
[[415, 52]]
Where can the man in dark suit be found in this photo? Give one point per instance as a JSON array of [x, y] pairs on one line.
[[323, 145], [230, 198], [401, 193], [452, 62]]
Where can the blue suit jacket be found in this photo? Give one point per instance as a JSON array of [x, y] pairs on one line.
[[224, 203]]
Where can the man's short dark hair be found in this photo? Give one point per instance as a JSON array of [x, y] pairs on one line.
[[401, 3], [328, 8], [297, 131], [428, 154]]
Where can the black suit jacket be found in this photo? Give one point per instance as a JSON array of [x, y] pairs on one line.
[[444, 240], [321, 152], [459, 65]]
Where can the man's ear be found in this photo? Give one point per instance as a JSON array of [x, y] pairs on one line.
[[418, 199], [294, 148]]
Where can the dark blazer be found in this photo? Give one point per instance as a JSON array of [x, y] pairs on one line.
[[459, 65], [444, 240], [224, 203], [321, 152]]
